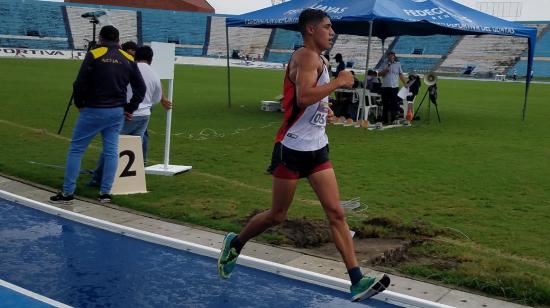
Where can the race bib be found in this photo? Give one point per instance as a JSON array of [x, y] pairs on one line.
[[320, 116]]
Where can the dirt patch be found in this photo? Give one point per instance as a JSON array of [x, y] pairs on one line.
[[378, 240], [420, 259], [368, 251], [303, 233], [299, 233]]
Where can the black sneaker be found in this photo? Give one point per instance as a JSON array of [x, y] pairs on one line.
[[104, 198], [62, 198]]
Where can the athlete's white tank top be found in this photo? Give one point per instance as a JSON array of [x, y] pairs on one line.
[[308, 131]]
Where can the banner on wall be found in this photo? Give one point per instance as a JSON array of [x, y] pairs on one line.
[[14, 52]]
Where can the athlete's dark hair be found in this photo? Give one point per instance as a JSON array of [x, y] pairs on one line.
[[309, 16], [144, 53]]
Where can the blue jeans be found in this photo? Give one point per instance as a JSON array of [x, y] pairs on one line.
[[108, 122], [136, 127], [144, 145]]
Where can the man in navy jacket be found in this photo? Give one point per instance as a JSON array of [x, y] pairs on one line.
[[100, 96]]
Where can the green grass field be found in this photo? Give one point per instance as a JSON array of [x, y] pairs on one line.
[[481, 175]]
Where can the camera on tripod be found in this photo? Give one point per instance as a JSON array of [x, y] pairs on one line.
[[93, 17]]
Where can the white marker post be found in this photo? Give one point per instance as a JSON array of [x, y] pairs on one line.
[[164, 55]]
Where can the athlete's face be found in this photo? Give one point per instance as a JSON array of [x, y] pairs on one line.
[[323, 34]]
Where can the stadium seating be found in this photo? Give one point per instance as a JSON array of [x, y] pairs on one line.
[[286, 40], [354, 49], [278, 57], [283, 44], [58, 25], [187, 30], [247, 41], [489, 54], [81, 29], [423, 53], [543, 44], [25, 21], [419, 65], [428, 45], [216, 43], [541, 66]]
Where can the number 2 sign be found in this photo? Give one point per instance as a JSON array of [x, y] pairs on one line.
[[130, 174]]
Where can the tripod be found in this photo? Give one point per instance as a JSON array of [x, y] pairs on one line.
[[432, 91], [91, 45]]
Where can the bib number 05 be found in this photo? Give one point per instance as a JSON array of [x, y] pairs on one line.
[[320, 116]]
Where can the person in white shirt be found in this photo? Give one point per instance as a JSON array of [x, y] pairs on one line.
[[392, 73], [136, 123]]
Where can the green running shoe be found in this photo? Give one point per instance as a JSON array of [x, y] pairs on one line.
[[228, 257], [368, 287]]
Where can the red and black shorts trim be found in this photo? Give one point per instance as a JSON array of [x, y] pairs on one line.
[[291, 164]]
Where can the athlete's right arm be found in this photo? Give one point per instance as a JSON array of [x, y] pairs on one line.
[[307, 91]]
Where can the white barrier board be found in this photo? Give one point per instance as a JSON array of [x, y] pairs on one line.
[[164, 55]]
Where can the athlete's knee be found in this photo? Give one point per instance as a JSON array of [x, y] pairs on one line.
[[276, 217], [335, 215]]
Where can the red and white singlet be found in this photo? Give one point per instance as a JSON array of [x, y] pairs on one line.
[[304, 129]]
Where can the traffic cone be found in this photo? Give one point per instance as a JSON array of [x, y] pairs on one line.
[[410, 115]]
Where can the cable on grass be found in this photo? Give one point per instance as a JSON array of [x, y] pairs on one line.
[[356, 209], [460, 232], [269, 125], [240, 130], [209, 133], [204, 134]]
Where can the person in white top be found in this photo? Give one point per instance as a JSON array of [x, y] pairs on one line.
[[136, 123], [392, 73], [301, 151]]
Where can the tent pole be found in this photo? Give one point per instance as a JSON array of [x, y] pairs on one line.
[[368, 55], [228, 66], [531, 51], [362, 104], [383, 49], [524, 111]]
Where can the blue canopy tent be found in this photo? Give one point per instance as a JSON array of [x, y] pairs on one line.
[[387, 18]]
